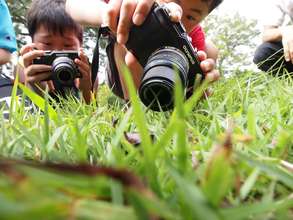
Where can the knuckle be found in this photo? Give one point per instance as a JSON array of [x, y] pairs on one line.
[[128, 4], [122, 27], [143, 8]]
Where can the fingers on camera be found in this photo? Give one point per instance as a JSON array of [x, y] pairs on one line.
[[175, 11], [26, 48], [83, 66], [30, 56], [125, 20], [34, 77], [141, 11], [129, 12], [38, 68], [207, 65], [201, 55], [213, 76], [112, 14]]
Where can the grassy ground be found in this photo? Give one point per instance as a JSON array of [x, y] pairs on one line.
[[227, 157]]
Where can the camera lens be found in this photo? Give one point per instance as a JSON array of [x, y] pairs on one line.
[[64, 70], [158, 82]]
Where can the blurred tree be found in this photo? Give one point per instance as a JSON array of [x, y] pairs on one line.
[[18, 13], [236, 38]]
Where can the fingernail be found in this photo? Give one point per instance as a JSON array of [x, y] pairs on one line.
[[177, 15], [138, 19], [206, 65]]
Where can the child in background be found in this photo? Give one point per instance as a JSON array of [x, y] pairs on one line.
[[275, 54], [51, 28]]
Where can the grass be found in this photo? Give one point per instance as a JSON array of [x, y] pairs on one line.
[[226, 157]]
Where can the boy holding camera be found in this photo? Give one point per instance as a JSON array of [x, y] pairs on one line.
[[129, 12], [52, 29]]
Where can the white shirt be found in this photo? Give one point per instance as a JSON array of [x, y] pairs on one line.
[[275, 12]]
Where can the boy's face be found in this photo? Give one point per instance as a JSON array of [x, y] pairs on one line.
[[46, 40], [194, 11]]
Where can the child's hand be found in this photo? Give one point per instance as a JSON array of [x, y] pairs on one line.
[[34, 73], [133, 12], [208, 67], [128, 12], [85, 83]]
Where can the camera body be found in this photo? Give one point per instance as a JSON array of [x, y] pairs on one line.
[[64, 70], [163, 49]]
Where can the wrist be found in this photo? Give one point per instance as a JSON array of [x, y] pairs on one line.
[[85, 86], [284, 30]]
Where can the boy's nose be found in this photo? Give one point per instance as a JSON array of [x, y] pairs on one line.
[[58, 48]]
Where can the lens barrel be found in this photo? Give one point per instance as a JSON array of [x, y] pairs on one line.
[[64, 70], [157, 86]]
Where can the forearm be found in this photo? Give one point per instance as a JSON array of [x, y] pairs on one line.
[[211, 50], [5, 56], [85, 86], [134, 68], [87, 96], [272, 34], [87, 12]]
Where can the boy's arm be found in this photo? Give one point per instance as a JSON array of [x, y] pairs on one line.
[[4, 56], [284, 34], [211, 50], [271, 34], [85, 82], [97, 12], [87, 12]]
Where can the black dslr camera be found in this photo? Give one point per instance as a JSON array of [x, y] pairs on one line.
[[163, 49], [64, 70]]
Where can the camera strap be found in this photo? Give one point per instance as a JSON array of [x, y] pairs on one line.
[[95, 60], [112, 71]]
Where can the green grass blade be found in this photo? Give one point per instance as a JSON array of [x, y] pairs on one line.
[[39, 101]]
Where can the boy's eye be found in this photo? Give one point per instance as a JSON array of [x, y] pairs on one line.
[[190, 18], [47, 43]]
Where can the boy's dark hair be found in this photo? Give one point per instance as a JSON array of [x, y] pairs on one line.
[[51, 14], [214, 4]]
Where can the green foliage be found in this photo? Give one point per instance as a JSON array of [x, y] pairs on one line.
[[227, 157], [18, 11], [236, 37]]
